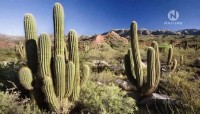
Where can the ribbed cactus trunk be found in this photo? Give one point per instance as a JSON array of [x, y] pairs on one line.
[[151, 74], [59, 50], [136, 55], [31, 42], [58, 17], [70, 78], [74, 57], [157, 62], [44, 56], [60, 76]]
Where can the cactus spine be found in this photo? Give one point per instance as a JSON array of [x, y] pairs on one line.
[[58, 72], [133, 65]]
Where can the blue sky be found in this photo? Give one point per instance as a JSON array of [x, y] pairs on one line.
[[97, 16]]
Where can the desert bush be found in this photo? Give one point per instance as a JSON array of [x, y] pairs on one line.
[[105, 52], [9, 74], [7, 54], [106, 99], [105, 77], [10, 103], [185, 91]]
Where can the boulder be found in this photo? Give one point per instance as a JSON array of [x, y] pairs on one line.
[[124, 84], [158, 99]]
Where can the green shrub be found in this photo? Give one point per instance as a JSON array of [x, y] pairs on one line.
[[10, 103], [106, 99]]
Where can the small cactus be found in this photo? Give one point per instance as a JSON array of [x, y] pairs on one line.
[[170, 54], [85, 76]]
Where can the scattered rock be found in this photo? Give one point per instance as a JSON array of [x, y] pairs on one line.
[[124, 84], [158, 99], [96, 63]]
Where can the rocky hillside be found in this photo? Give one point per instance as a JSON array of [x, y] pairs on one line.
[[125, 32], [8, 40]]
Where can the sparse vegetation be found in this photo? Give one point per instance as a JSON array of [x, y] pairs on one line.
[[59, 81]]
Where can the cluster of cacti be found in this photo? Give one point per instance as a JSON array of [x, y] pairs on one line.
[[133, 65], [171, 64], [54, 77]]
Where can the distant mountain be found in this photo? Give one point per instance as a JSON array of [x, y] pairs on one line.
[[125, 32]]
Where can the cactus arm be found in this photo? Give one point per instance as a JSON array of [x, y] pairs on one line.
[[74, 57], [70, 78], [157, 63], [136, 54], [50, 95], [25, 78], [129, 67], [151, 75], [31, 42]]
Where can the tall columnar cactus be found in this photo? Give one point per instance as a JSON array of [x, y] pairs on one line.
[[136, 54], [133, 65], [58, 72], [170, 54]]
